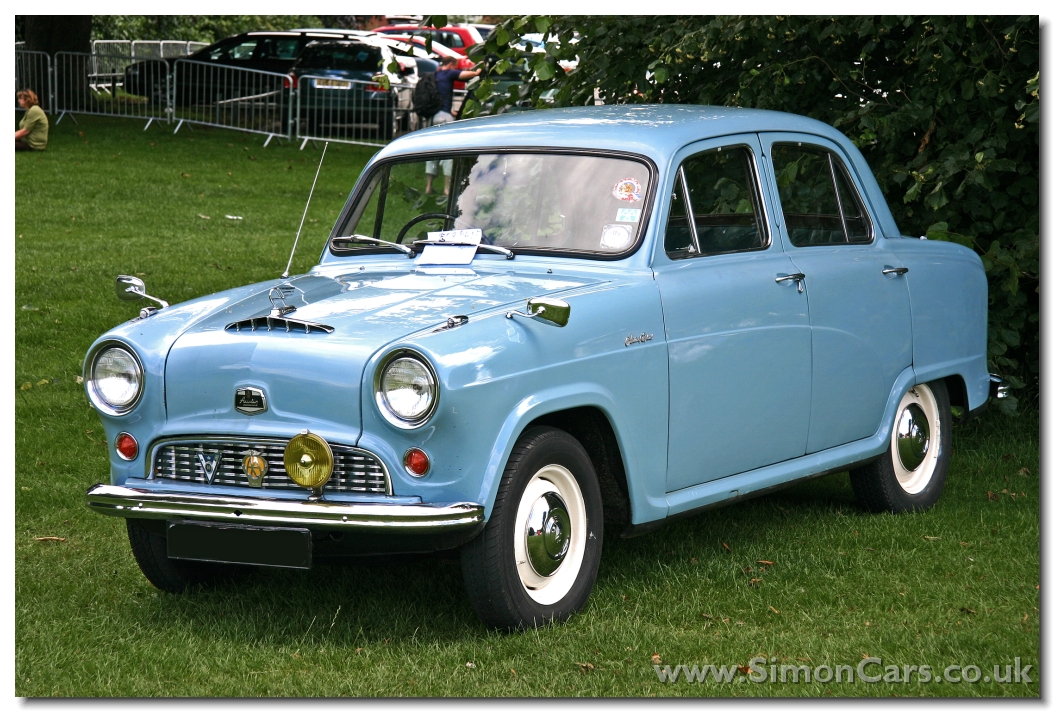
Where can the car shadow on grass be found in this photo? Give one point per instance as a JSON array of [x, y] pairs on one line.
[[393, 600]]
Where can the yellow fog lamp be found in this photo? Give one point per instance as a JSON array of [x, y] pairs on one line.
[[309, 461]]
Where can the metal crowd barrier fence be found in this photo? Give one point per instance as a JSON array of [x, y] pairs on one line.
[[232, 98], [111, 81], [352, 111], [164, 49], [148, 49], [33, 71], [108, 65], [112, 46], [80, 89]]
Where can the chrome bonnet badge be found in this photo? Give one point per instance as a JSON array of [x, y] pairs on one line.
[[210, 462], [254, 465], [250, 401]]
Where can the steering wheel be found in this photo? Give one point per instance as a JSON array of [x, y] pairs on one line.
[[419, 218]]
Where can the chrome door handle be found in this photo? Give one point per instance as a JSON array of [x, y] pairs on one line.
[[895, 270], [797, 277]]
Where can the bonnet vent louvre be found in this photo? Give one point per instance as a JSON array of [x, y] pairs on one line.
[[282, 323]]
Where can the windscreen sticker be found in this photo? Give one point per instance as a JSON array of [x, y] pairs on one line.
[[628, 215], [627, 189], [615, 237]]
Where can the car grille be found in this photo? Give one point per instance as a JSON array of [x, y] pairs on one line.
[[354, 470]]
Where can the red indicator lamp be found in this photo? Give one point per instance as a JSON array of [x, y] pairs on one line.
[[126, 446], [416, 462]]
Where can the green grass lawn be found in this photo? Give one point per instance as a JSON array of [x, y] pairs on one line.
[[956, 585]]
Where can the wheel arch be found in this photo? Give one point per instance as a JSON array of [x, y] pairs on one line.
[[590, 426], [589, 413], [957, 393]]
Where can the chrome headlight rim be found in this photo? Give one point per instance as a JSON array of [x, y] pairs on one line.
[[97, 401], [384, 408]]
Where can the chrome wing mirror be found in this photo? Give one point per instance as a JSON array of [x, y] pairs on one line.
[[131, 289], [544, 309]]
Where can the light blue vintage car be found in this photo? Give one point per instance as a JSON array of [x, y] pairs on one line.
[[530, 331]]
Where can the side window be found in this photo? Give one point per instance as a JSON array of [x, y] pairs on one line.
[[240, 50], [451, 39], [715, 207], [278, 48], [820, 205]]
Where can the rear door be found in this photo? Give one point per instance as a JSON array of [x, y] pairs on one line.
[[739, 341], [858, 298]]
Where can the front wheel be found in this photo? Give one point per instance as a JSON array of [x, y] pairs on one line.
[[909, 476], [537, 559], [150, 548]]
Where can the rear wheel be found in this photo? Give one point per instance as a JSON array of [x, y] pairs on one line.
[[537, 559], [910, 475], [150, 549]]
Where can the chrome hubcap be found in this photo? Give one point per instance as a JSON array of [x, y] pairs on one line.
[[547, 534], [913, 437]]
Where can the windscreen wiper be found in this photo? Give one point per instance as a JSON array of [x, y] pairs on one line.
[[482, 246], [363, 240]]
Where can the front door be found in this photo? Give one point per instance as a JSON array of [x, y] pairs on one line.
[[739, 341], [858, 299]]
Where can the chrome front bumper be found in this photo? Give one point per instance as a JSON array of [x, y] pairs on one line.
[[134, 503]]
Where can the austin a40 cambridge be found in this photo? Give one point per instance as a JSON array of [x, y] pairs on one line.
[[530, 332]]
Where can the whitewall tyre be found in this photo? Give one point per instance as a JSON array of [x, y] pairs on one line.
[[909, 476], [537, 559]]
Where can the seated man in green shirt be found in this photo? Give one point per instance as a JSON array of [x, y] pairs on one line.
[[32, 134]]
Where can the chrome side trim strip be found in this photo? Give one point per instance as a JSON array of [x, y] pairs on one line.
[[134, 503]]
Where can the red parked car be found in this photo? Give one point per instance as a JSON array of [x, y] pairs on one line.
[[439, 50], [457, 37]]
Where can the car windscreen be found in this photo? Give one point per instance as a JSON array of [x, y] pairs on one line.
[[355, 58], [552, 202]]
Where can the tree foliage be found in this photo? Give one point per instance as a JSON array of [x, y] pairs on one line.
[[946, 110], [192, 28]]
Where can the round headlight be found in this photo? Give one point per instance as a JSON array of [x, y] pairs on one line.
[[308, 461], [407, 390], [116, 380]]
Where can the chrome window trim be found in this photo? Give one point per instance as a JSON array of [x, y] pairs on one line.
[[689, 212], [831, 158], [97, 400], [757, 191], [196, 439], [838, 196], [442, 154], [382, 403]]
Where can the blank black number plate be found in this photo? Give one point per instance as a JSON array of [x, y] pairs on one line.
[[238, 544]]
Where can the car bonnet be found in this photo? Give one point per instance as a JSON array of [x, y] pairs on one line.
[[313, 376]]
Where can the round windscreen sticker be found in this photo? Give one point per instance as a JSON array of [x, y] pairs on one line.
[[627, 189], [615, 237]]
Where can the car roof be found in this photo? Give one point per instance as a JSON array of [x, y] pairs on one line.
[[337, 30], [368, 41], [653, 130], [437, 46]]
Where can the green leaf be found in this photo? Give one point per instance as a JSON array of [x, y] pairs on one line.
[[545, 70]]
